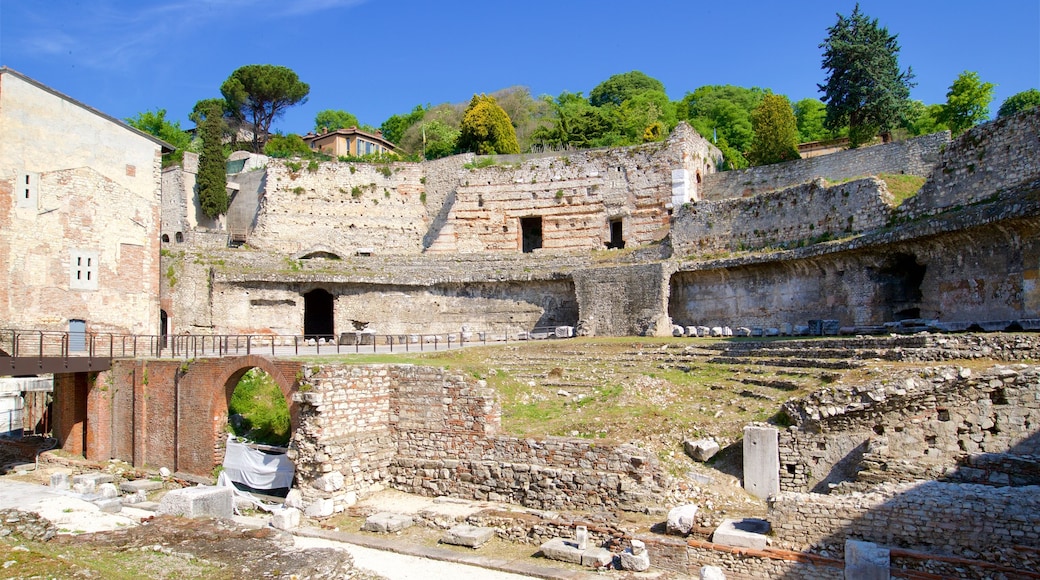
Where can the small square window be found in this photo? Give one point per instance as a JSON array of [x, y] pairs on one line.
[[83, 275]]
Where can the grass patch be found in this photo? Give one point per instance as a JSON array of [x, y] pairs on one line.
[[902, 187], [53, 560]]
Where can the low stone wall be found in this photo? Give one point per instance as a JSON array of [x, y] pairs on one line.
[[914, 156], [945, 518], [429, 431], [795, 216]]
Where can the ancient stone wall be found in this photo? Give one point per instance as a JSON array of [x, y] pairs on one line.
[[429, 431], [623, 300], [915, 156], [940, 422], [981, 164], [804, 214], [946, 518]]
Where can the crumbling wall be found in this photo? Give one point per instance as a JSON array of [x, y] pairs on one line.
[[429, 431], [940, 422], [623, 300], [915, 156], [800, 215]]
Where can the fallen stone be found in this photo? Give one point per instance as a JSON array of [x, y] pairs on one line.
[[597, 557], [294, 499], [108, 490], [866, 561], [745, 533], [95, 478], [197, 502], [727, 331], [286, 519], [469, 536], [331, 481], [387, 522], [320, 508], [716, 331], [140, 485], [701, 449], [561, 550], [110, 505], [691, 331], [704, 331], [712, 573], [635, 558], [681, 519], [677, 330], [60, 480], [581, 537], [165, 472]]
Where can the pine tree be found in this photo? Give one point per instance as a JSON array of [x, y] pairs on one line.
[[776, 132], [865, 90]]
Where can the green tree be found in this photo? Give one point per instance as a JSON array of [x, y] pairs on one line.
[[486, 128], [394, 127], [622, 87], [1019, 102], [155, 123], [923, 119], [776, 132], [330, 120], [810, 115], [865, 90], [439, 138], [259, 93], [574, 122], [285, 146], [525, 112], [212, 177], [424, 135], [967, 102], [646, 110], [722, 114]]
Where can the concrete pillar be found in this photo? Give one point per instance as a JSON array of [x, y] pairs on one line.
[[761, 461], [866, 561]]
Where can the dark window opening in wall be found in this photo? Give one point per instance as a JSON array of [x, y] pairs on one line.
[[900, 282], [179, 237], [617, 235], [164, 328], [318, 319], [165, 238], [698, 176], [531, 233]]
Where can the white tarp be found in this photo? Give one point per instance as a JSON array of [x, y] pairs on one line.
[[260, 471]]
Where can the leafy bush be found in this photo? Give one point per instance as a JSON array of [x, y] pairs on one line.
[[284, 146], [261, 407]]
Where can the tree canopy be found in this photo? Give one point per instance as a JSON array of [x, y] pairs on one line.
[[259, 93], [394, 127], [486, 128], [1019, 102], [776, 132], [723, 113], [155, 123], [330, 120], [967, 102], [865, 89], [622, 87]]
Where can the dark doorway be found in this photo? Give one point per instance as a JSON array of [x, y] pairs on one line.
[[318, 314], [531, 233], [164, 328], [900, 282], [617, 235]]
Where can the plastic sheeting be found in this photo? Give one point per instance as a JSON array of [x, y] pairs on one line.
[[256, 469]]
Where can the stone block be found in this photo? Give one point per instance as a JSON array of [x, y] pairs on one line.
[[712, 573], [761, 461], [140, 485], [701, 449], [286, 519], [469, 536], [320, 508], [677, 330], [716, 331], [564, 332], [60, 480], [95, 478], [331, 481], [386, 523], [294, 499], [197, 502], [866, 561], [815, 327], [561, 550], [704, 331], [744, 331], [830, 327], [109, 505], [635, 558], [691, 331], [108, 490], [581, 537], [727, 331], [597, 557], [681, 519], [772, 331], [745, 533]]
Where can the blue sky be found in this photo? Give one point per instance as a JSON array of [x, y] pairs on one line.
[[375, 58]]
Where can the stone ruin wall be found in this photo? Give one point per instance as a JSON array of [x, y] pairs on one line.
[[954, 519], [981, 164], [428, 431], [641, 313], [939, 422], [799, 215], [968, 274], [915, 156]]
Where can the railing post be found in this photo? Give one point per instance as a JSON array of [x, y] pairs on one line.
[[249, 345], [296, 344]]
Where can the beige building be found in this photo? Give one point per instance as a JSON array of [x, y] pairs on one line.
[[351, 142], [80, 194]]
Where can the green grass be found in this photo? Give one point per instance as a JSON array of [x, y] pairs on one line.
[[902, 187], [56, 560]]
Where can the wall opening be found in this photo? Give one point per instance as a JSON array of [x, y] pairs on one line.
[[179, 237], [77, 335], [165, 238], [258, 417], [617, 235], [164, 328], [531, 233], [900, 280], [318, 321]]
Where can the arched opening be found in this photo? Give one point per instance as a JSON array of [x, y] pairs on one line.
[[900, 281], [179, 236], [320, 255], [318, 317], [165, 238], [260, 424]]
